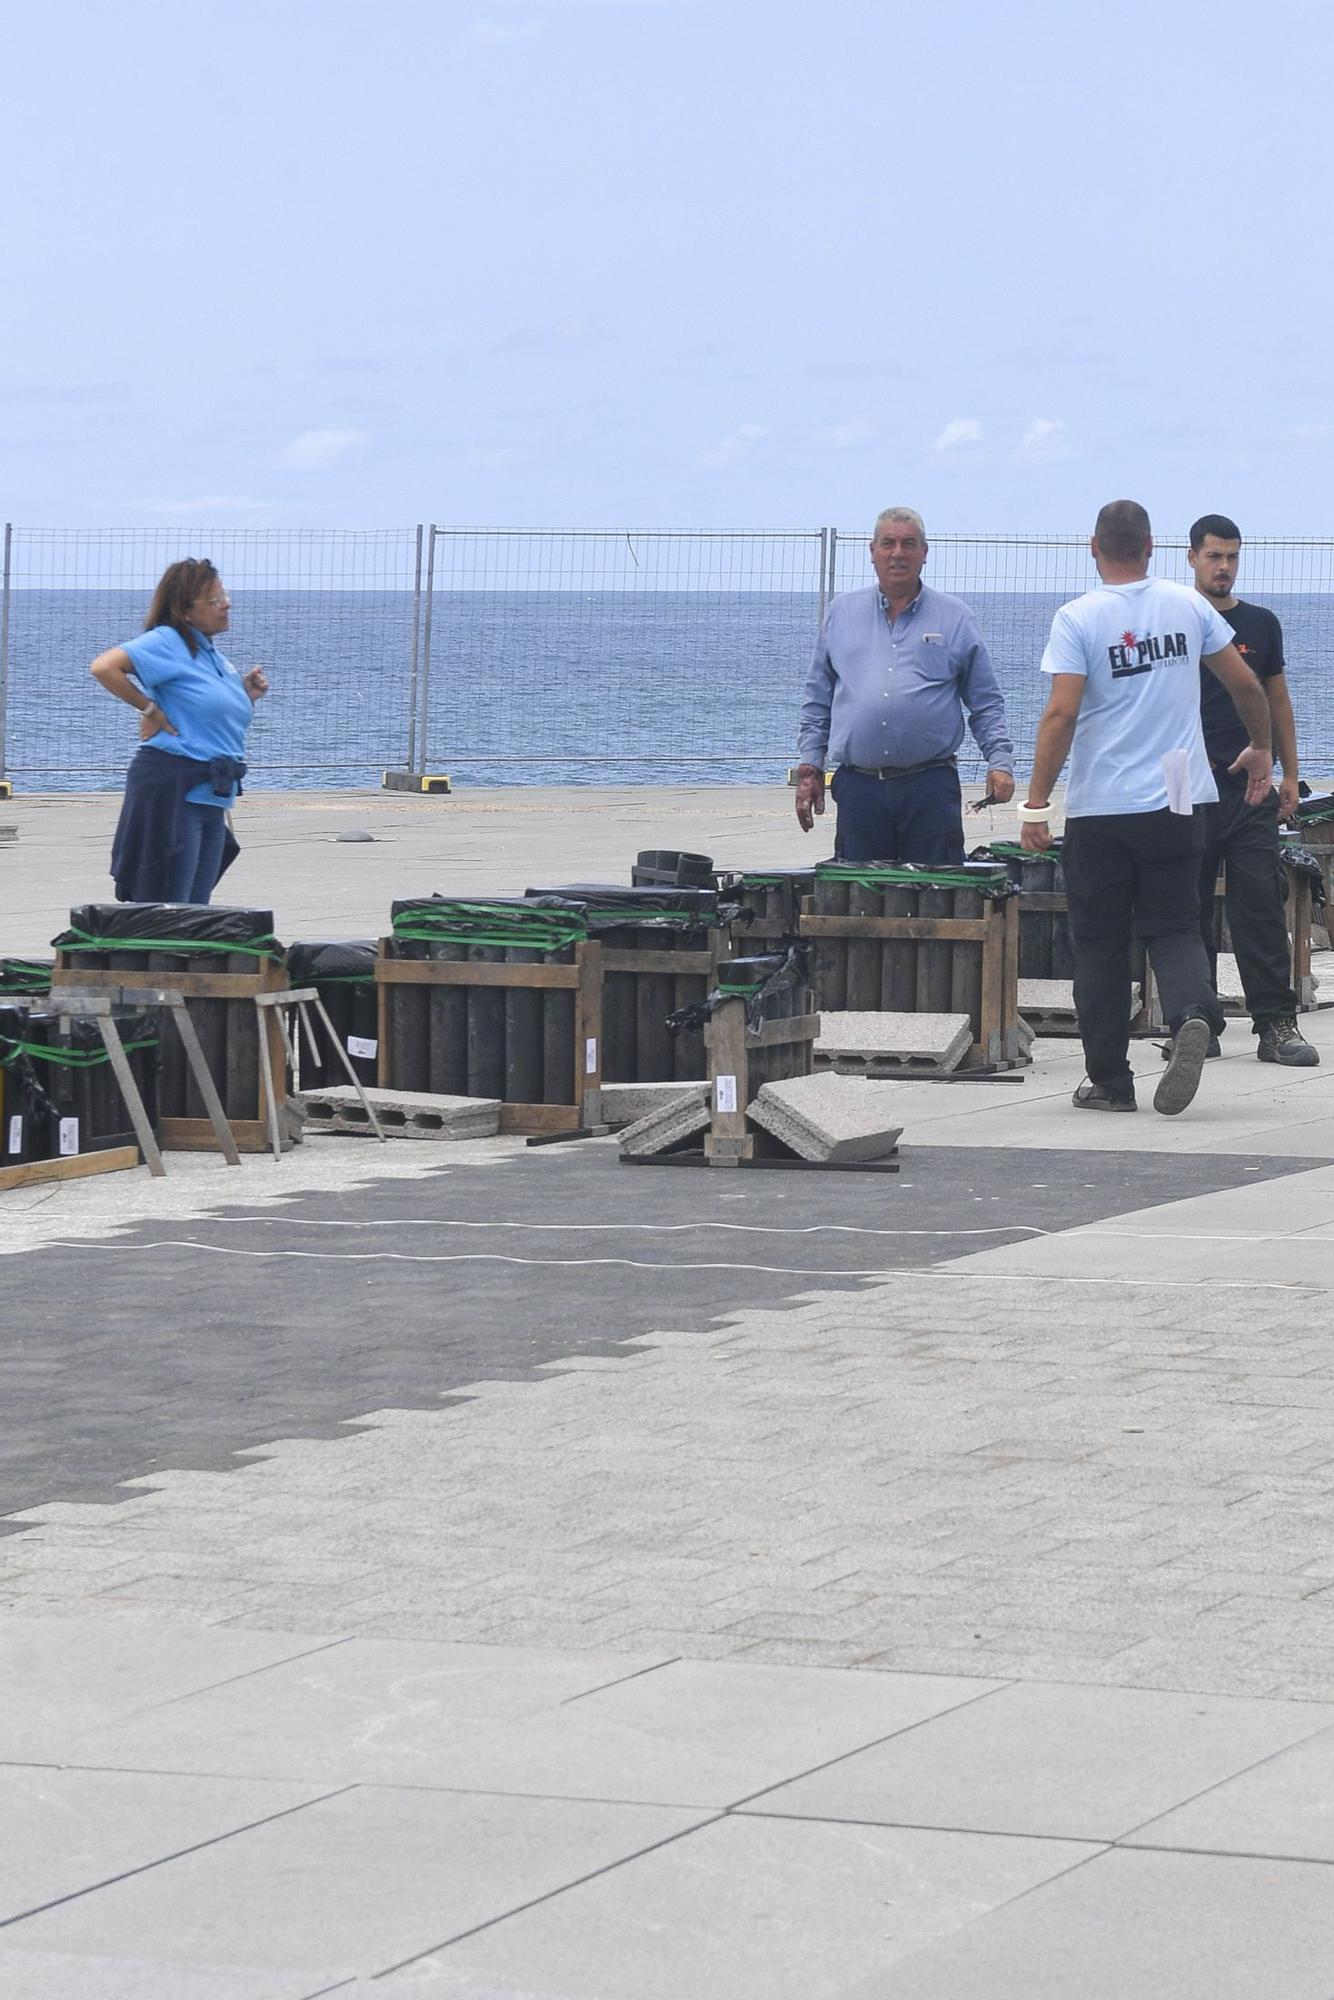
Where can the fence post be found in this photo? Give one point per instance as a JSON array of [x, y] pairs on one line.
[[411, 759], [425, 672], [833, 559], [824, 569], [4, 646]]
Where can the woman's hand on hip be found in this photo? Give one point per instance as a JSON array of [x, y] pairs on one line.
[[152, 722]]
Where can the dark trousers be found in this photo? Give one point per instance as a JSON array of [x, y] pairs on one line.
[[1245, 838], [918, 818], [199, 861], [1140, 870]]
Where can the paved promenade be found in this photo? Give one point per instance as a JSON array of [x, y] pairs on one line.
[[491, 1572]]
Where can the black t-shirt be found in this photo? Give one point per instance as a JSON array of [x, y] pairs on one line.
[[1259, 640]]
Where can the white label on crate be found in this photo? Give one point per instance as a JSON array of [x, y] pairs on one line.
[[724, 1093], [69, 1136], [591, 1056], [16, 1134], [359, 1045]]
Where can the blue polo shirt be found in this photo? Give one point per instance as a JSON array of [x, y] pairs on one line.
[[202, 696]]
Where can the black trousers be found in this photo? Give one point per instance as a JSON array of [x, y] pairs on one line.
[[1246, 839], [1137, 871]]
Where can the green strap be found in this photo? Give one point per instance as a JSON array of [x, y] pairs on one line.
[[1010, 851], [261, 947], [16, 976], [545, 931], [912, 878], [63, 1058]]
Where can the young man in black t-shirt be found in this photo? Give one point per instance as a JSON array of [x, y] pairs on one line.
[[1246, 837]]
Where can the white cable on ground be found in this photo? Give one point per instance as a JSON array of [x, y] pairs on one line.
[[619, 1228], [630, 1263]]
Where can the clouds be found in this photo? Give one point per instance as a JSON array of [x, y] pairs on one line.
[[958, 433], [734, 449], [313, 450], [1046, 440], [571, 334]]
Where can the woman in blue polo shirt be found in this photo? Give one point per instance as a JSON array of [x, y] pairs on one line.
[[173, 840]]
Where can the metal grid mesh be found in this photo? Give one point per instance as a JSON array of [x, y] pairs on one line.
[[528, 656], [328, 613], [609, 657], [1015, 583]]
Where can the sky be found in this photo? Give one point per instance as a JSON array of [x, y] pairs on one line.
[[658, 264]]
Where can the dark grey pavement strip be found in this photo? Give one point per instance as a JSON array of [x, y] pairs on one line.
[[119, 1359]]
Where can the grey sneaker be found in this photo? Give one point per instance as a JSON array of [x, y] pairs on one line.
[[1181, 1079], [1281, 1041], [1092, 1097]]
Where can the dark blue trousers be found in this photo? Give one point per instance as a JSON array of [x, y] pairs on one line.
[[899, 819]]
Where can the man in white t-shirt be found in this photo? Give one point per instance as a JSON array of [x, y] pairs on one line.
[[1124, 662]]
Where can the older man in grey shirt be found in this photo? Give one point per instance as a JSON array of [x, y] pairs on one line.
[[896, 668]]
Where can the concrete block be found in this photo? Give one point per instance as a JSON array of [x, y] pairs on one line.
[[919, 1041], [627, 1103], [402, 1114], [667, 1127], [829, 1117], [1049, 1004]]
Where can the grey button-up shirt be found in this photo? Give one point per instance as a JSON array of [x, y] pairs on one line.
[[884, 693]]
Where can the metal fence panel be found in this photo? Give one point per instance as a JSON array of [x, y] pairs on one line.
[[619, 656], [528, 656], [328, 613], [1016, 582]]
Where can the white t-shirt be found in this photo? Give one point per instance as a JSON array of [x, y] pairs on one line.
[[1138, 646]]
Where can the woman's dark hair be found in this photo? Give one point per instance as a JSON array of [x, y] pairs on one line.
[[180, 585]]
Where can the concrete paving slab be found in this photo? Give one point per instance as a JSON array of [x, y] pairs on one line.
[[700, 1732], [665, 1128], [1283, 1806], [368, 1711], [361, 1881], [1071, 1762], [941, 1040], [61, 1975], [66, 1831], [840, 1119], [402, 1114], [749, 1910], [627, 1103], [1177, 1927], [64, 1675]]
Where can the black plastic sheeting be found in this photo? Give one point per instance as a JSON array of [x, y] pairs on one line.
[[159, 924], [342, 971], [58, 1093], [25, 975]]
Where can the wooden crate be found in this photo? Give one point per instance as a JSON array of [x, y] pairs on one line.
[[583, 978], [731, 1138], [996, 1042], [1147, 1020], [1299, 930], [192, 1135]]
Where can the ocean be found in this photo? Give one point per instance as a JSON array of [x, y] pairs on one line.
[[525, 687]]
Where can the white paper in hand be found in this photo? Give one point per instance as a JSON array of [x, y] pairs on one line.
[[1176, 772]]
